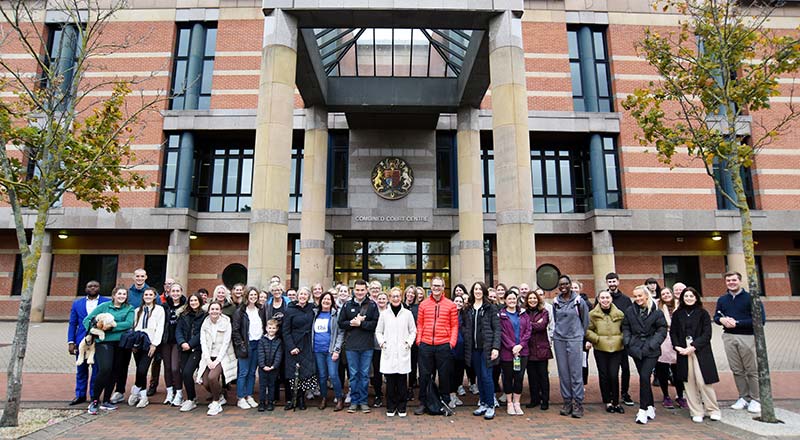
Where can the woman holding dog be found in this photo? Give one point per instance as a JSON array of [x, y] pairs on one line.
[[149, 319], [108, 355]]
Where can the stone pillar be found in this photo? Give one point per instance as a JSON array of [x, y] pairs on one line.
[[602, 258], [269, 217], [588, 72], [194, 68], [455, 260], [470, 187], [42, 284], [598, 172], [183, 186], [512, 157], [736, 261], [178, 257], [313, 264]]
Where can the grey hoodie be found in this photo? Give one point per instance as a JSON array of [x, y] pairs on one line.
[[570, 324]]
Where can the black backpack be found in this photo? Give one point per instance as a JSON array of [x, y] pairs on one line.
[[434, 405]]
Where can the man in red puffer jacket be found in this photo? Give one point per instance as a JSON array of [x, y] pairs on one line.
[[437, 335]]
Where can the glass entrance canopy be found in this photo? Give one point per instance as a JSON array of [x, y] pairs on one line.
[[392, 52]]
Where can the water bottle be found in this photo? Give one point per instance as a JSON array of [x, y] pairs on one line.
[[517, 363]]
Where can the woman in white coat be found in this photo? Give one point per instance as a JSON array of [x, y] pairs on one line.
[[395, 334], [149, 318], [218, 360]]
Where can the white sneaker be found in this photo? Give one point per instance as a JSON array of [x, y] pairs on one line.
[[188, 405], [740, 404], [502, 398], [143, 401], [215, 409], [170, 396], [715, 417], [178, 399], [243, 404], [452, 403], [651, 412], [754, 407], [390, 413], [347, 398], [117, 397], [697, 419], [133, 398], [252, 402], [402, 414], [458, 401], [474, 389], [641, 417], [222, 400], [461, 391]]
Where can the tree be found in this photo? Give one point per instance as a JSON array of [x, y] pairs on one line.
[[62, 133], [723, 62]]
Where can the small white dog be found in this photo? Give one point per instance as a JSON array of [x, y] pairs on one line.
[[86, 349]]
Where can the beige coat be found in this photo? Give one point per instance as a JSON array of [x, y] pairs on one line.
[[217, 344], [605, 330], [396, 335]]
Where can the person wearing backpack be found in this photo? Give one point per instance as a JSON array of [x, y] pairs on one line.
[[571, 317]]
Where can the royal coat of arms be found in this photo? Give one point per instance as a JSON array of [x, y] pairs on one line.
[[392, 178]]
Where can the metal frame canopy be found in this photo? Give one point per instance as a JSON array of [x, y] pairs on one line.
[[398, 64]]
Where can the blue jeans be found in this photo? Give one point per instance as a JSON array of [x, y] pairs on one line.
[[327, 368], [483, 375], [246, 377], [358, 363]]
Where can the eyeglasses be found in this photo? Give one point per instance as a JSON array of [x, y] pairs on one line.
[[438, 286]]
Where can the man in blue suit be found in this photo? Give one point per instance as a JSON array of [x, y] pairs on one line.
[[81, 307]]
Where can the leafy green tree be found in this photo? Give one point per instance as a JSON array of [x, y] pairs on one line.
[[720, 65], [61, 134]]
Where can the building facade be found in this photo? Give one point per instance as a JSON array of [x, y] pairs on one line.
[[332, 140]]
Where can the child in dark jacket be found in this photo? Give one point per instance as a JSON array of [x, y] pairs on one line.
[[270, 356]]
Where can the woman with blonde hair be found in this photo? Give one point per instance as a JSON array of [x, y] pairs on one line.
[[644, 329], [395, 333]]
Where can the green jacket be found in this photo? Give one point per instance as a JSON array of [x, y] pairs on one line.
[[122, 315], [605, 330]]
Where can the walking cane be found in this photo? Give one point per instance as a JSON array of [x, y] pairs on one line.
[[295, 386]]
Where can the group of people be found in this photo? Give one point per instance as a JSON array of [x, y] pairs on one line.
[[309, 340]]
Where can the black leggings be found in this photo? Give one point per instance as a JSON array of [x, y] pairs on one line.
[[377, 377], [662, 373], [645, 367], [608, 374], [512, 380], [109, 359], [412, 376], [190, 360], [538, 382], [458, 374], [123, 358], [142, 366]]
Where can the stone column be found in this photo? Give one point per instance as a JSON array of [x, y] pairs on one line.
[[598, 172], [602, 258], [178, 257], [470, 187], [455, 260], [183, 187], [42, 284], [514, 196], [313, 263], [588, 73], [736, 261], [269, 217], [194, 68]]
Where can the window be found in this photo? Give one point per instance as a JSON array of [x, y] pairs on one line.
[[194, 66], [488, 261], [296, 175], [487, 167], [100, 268], [794, 274], [446, 177], [721, 175], [611, 162], [63, 54], [156, 268], [558, 176], [233, 274], [685, 269], [224, 180], [16, 284], [295, 274], [338, 155], [169, 184], [589, 45]]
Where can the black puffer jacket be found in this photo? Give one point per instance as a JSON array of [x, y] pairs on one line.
[[173, 314], [188, 329], [488, 333], [643, 335]]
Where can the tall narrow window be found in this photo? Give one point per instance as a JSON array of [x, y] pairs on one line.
[[487, 167], [169, 184], [194, 66], [296, 173], [720, 174], [295, 274], [338, 154], [611, 163], [589, 69], [446, 179], [62, 55], [16, 283], [794, 274]]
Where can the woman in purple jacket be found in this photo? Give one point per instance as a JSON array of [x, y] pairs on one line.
[[515, 331], [539, 351]]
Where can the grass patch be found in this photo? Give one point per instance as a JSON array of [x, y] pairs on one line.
[[32, 420]]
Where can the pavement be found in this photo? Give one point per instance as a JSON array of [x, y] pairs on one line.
[[49, 382]]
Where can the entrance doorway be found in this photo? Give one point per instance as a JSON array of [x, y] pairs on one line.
[[398, 262]]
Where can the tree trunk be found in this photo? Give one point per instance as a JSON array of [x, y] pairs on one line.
[[30, 263], [764, 382]]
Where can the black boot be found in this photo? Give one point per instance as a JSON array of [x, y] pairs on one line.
[[301, 402]]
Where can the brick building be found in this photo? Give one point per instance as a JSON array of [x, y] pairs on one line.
[[266, 158]]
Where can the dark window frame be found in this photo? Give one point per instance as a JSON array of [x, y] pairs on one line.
[[204, 192], [296, 172], [680, 260], [419, 254], [16, 280], [578, 99], [106, 288], [488, 196], [794, 282], [577, 159], [446, 169], [177, 101], [612, 150], [156, 268], [169, 190], [338, 169]]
